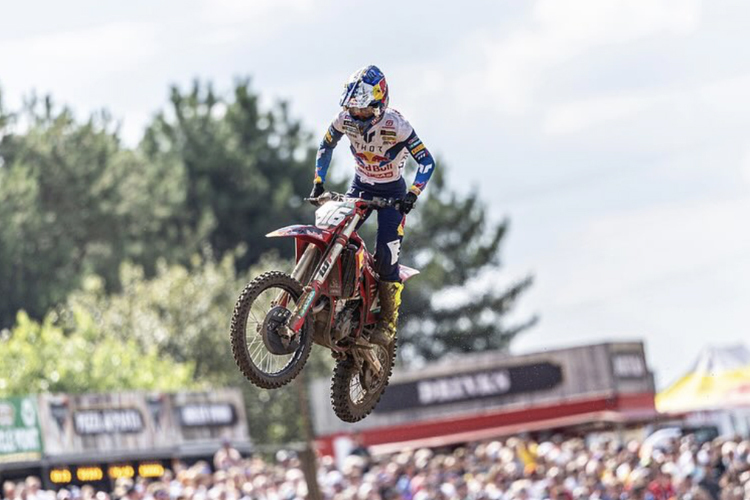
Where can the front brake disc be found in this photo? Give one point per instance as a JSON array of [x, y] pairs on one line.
[[277, 338]]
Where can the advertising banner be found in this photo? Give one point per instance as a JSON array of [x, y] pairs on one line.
[[124, 424], [485, 383], [471, 385], [20, 435]]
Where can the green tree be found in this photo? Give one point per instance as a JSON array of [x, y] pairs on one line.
[[451, 239], [245, 169], [73, 201], [183, 312], [45, 357]]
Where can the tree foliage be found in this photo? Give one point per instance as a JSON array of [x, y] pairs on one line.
[[209, 173], [45, 357], [183, 313], [73, 201], [244, 169]]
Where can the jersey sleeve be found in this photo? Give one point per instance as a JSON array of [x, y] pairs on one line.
[[425, 162], [325, 150]]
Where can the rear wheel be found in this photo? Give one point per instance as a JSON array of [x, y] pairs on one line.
[[263, 347], [356, 388]]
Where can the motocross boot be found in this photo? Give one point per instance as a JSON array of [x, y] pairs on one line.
[[389, 293]]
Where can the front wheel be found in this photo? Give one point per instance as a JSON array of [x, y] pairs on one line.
[[264, 349], [356, 388]]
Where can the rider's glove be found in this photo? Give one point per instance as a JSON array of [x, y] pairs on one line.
[[406, 203], [317, 190]]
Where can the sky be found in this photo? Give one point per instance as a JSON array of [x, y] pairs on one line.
[[614, 135]]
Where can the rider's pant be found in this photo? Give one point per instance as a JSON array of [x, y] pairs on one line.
[[390, 225]]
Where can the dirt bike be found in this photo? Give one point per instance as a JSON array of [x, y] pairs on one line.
[[331, 299]]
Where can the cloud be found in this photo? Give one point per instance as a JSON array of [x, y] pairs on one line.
[[572, 117], [517, 65], [675, 275], [231, 21], [621, 254], [117, 44], [247, 27], [87, 69], [663, 108], [238, 11], [745, 166]]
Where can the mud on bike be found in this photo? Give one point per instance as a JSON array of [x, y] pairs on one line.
[[331, 299]]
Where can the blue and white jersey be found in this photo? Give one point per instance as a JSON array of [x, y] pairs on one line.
[[379, 152]]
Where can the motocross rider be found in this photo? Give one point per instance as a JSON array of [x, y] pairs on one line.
[[379, 138]]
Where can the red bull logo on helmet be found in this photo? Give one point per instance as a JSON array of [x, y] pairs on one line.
[[379, 90]]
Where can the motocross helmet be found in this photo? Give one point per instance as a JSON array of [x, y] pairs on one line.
[[365, 96]]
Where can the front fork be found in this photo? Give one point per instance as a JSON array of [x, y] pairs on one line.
[[321, 274], [299, 271]]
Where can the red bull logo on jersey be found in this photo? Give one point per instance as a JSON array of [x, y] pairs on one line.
[[372, 158], [366, 172]]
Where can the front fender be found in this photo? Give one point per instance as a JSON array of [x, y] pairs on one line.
[[301, 231]]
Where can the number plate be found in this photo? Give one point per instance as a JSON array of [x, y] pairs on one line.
[[333, 213]]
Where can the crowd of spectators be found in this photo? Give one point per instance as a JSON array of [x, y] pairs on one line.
[[513, 468]]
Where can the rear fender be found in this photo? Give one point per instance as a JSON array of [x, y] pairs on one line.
[[406, 272]]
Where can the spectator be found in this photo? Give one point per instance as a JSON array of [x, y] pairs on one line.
[[511, 469], [227, 456], [9, 490], [661, 487]]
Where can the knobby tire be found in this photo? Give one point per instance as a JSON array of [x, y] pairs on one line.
[[343, 406], [262, 379]]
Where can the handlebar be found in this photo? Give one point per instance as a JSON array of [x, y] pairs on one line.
[[376, 202]]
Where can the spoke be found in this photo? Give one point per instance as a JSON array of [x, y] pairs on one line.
[[255, 340], [253, 316], [356, 389], [264, 360], [272, 368], [257, 350], [282, 361], [252, 339]]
